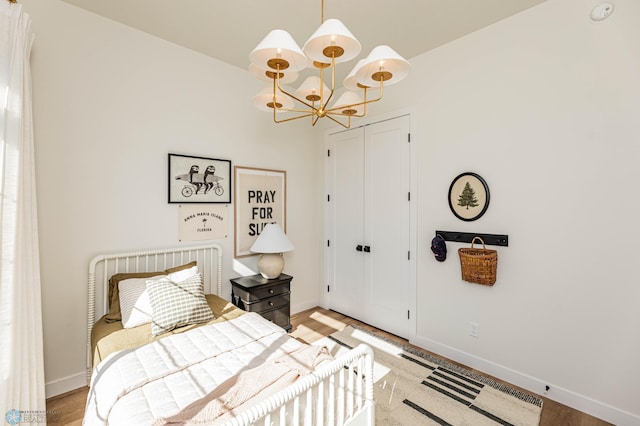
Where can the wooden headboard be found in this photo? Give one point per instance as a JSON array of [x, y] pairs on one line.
[[102, 267]]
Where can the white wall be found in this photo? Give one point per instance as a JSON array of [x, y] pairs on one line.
[[110, 103], [545, 106]]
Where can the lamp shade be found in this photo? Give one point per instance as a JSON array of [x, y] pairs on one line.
[[383, 62], [347, 104], [332, 36], [261, 74], [350, 82], [272, 240], [264, 100], [310, 89], [278, 46]]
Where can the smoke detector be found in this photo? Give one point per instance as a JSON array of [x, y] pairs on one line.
[[602, 11]]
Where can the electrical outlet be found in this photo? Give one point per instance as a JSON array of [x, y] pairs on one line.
[[474, 329]]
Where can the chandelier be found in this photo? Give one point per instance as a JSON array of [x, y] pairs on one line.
[[278, 59]]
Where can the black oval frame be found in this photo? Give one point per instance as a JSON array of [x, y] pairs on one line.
[[486, 189]]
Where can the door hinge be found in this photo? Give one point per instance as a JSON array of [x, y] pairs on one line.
[[328, 289], [328, 243], [409, 255], [408, 196], [408, 314], [409, 137], [328, 197], [328, 153]]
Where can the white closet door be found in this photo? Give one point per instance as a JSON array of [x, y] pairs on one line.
[[369, 269], [387, 225], [347, 286]]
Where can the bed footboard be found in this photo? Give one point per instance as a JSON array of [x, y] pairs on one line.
[[337, 393]]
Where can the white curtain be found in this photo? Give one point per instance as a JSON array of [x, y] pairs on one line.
[[22, 395]]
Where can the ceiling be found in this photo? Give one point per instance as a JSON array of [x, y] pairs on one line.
[[229, 30]]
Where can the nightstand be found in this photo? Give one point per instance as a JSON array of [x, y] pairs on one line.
[[269, 298]]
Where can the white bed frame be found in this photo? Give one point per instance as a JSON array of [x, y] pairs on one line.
[[337, 393]]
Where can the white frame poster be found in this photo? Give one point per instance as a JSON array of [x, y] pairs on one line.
[[260, 198]]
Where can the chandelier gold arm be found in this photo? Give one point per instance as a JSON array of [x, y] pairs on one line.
[[318, 112], [333, 82], [275, 107], [276, 84], [346, 126], [364, 103], [275, 119], [292, 96]]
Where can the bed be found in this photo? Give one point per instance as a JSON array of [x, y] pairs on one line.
[[222, 365]]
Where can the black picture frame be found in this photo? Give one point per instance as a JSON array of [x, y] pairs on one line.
[[195, 179], [469, 196]]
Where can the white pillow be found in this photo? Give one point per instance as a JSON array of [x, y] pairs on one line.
[[134, 299], [181, 275]]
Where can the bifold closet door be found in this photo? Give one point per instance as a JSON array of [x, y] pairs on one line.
[[370, 222]]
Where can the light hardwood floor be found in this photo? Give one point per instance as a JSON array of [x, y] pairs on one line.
[[309, 326]]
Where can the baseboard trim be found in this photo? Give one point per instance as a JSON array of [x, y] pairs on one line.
[[64, 385], [299, 307], [564, 396]]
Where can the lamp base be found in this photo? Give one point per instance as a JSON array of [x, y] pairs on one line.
[[271, 265]]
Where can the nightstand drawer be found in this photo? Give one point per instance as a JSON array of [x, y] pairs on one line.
[[270, 298], [278, 316], [256, 294], [269, 303]]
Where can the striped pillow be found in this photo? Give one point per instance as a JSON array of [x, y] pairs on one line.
[[177, 304]]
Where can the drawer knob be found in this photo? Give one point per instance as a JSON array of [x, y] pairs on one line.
[[270, 303], [270, 291]]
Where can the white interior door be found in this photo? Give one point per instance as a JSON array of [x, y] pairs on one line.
[[369, 220], [347, 285], [387, 225]]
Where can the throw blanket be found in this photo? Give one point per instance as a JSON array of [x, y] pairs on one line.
[[249, 387], [161, 379]]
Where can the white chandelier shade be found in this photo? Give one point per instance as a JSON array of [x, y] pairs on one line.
[[350, 82], [383, 62], [349, 103], [312, 89], [267, 75], [332, 37], [264, 100], [276, 47]]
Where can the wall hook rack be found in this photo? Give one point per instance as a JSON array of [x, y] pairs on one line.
[[467, 237]]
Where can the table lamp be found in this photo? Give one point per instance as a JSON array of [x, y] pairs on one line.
[[271, 243]]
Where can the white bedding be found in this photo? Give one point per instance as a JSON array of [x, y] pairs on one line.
[[160, 379]]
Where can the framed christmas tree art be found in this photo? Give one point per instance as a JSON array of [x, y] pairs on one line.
[[468, 196]]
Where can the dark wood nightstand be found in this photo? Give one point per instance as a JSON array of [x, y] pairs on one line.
[[269, 298]]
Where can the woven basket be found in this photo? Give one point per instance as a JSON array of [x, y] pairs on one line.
[[478, 265]]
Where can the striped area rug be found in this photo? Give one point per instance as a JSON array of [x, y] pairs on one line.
[[416, 388]]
